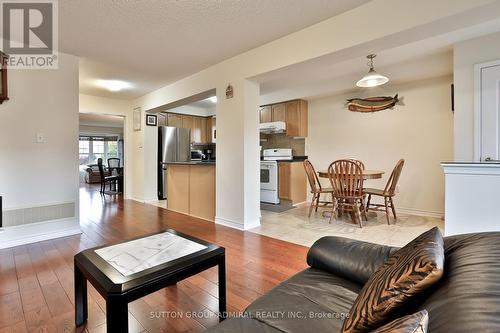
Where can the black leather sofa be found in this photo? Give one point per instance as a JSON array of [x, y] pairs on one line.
[[466, 299]]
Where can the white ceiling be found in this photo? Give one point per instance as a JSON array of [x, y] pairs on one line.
[[90, 119], [154, 42], [332, 74]]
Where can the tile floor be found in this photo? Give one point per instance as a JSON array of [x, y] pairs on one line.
[[294, 226]]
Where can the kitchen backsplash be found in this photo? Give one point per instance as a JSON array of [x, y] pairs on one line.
[[270, 141]]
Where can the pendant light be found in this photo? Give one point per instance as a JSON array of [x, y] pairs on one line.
[[372, 79]]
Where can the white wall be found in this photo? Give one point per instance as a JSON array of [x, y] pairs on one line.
[[465, 55], [421, 132], [133, 148], [41, 101]]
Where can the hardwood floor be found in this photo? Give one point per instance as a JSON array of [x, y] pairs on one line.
[[36, 280]]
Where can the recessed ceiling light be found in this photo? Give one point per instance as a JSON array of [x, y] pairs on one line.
[[213, 99], [113, 85]]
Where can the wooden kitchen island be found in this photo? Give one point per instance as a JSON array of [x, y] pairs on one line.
[[191, 189]]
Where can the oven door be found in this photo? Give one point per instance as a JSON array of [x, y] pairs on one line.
[[269, 176]]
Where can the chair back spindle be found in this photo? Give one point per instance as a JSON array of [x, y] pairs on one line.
[[358, 162]]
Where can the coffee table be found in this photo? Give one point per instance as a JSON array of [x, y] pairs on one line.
[[128, 270]]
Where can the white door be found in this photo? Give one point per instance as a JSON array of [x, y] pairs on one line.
[[490, 112]]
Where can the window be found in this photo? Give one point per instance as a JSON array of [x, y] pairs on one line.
[[84, 150], [112, 148], [91, 148], [98, 150]]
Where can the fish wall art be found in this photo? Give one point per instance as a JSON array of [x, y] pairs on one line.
[[372, 104]]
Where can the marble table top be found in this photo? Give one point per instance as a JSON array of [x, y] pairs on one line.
[[143, 253]]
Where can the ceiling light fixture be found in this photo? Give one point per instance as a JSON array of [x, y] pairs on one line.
[[213, 99], [372, 79], [113, 85]]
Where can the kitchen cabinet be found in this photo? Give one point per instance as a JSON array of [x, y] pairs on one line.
[[202, 192], [188, 122], [212, 132], [278, 112], [266, 115], [196, 130], [162, 119], [292, 182], [293, 113], [191, 190], [178, 188], [296, 118], [202, 128], [174, 120]]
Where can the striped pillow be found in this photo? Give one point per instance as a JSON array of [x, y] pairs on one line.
[[415, 323], [408, 272]]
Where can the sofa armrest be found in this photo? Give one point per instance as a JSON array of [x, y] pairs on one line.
[[349, 258]]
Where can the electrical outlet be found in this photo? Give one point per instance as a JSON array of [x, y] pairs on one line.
[[40, 138]]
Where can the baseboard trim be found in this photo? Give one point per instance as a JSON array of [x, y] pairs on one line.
[[409, 211], [149, 200], [420, 212], [37, 232], [235, 224], [141, 200]]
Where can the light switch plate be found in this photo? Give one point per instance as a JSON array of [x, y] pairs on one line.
[[40, 138]]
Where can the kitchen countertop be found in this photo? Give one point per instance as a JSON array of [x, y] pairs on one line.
[[194, 163]]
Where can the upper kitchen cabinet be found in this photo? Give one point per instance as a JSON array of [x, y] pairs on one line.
[[266, 115], [278, 112], [210, 132], [174, 120], [296, 118], [293, 113], [196, 130], [162, 119]]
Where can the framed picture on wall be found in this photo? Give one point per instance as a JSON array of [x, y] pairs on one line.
[[137, 119], [151, 120]]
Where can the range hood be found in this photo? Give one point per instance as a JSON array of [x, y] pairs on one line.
[[273, 127]]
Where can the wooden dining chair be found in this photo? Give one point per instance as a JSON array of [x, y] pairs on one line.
[[387, 193], [316, 188], [346, 179]]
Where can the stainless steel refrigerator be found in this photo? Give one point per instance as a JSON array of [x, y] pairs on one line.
[[174, 145]]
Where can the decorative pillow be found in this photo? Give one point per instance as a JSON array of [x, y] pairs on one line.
[[415, 323], [409, 271]]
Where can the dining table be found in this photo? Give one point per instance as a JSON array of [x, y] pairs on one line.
[[367, 174]]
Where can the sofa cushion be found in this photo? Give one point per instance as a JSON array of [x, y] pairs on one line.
[[408, 272], [311, 294], [414, 323], [242, 325], [467, 298]]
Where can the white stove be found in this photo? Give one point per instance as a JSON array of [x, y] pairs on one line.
[[269, 174]]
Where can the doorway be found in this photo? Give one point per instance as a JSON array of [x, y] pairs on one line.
[[101, 139]]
